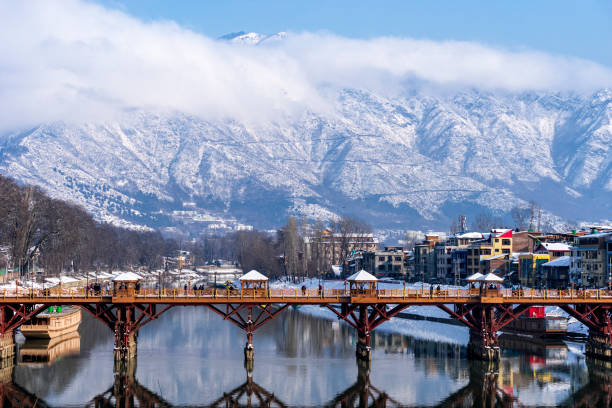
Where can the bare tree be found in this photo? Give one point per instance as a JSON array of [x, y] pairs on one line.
[[520, 217]]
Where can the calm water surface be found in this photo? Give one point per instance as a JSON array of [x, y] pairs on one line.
[[191, 357]]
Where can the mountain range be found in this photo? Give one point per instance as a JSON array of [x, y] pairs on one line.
[[415, 160]]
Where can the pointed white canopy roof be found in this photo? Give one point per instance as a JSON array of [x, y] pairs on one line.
[[253, 275], [474, 277], [490, 277], [127, 277], [362, 276]]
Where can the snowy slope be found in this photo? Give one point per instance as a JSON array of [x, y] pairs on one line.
[[416, 160]]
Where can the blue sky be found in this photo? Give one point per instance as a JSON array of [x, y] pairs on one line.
[[575, 28]]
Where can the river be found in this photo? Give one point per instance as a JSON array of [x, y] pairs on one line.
[[191, 357]]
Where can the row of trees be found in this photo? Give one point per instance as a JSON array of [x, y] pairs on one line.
[[299, 249], [54, 234]]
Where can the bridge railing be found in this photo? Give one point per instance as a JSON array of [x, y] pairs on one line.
[[309, 293]]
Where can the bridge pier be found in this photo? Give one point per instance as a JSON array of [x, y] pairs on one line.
[[125, 334], [249, 328], [598, 318], [363, 350], [483, 345]]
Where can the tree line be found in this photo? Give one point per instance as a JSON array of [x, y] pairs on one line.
[[37, 230]]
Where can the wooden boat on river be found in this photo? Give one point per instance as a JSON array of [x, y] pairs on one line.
[[37, 351], [53, 323], [535, 322]]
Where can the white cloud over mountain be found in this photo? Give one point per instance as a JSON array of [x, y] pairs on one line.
[[74, 61]]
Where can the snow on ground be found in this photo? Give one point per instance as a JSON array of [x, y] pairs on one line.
[[416, 328], [420, 329]]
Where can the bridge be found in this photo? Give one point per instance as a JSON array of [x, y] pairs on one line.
[[484, 311]]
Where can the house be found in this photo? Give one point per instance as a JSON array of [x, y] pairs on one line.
[[530, 269], [556, 273], [554, 249]]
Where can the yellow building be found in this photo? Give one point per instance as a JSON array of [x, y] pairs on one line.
[[499, 242], [530, 269]]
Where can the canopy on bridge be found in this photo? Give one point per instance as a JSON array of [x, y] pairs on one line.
[[362, 276], [474, 277], [362, 282], [126, 284], [126, 277], [253, 280], [490, 278]]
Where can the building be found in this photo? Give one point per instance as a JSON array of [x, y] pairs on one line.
[[554, 249], [389, 262], [425, 258], [335, 248], [530, 269], [594, 255], [556, 273], [459, 271], [498, 242], [444, 266], [575, 269]]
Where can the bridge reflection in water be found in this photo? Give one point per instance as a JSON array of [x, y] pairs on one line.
[[486, 388], [525, 364]]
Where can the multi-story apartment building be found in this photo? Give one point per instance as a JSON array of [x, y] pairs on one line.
[[443, 254], [594, 254], [425, 258], [459, 269], [575, 269], [530, 269], [609, 256], [498, 242], [334, 248], [389, 262]]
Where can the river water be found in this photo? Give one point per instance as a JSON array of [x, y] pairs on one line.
[[191, 357]]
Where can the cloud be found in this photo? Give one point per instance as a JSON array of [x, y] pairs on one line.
[[74, 60]]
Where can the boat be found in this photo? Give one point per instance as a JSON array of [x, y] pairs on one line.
[[536, 322], [37, 351], [56, 321]]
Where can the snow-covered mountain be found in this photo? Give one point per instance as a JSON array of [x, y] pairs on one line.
[[412, 161]]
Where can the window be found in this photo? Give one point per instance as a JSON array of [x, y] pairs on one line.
[[506, 242], [496, 240], [398, 258], [506, 251], [381, 258]]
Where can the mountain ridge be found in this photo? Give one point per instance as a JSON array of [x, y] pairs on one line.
[[411, 161]]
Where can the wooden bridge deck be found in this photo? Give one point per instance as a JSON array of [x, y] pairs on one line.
[[310, 296]]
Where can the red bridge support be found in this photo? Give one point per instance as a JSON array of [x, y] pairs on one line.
[[242, 316], [365, 318], [125, 320], [598, 318], [484, 321], [11, 317]]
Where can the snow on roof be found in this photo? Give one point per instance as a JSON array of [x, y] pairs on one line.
[[561, 261], [362, 276], [474, 277], [67, 279], [490, 277], [555, 246], [253, 275], [470, 235], [488, 258], [126, 277]]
